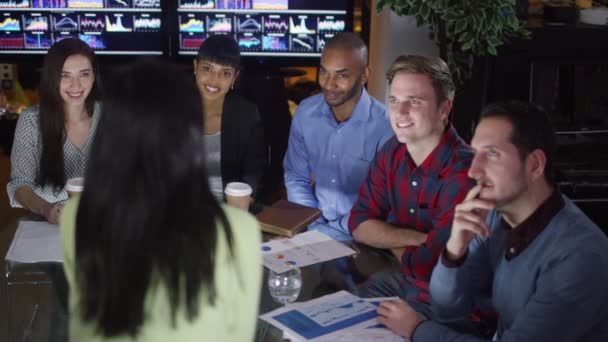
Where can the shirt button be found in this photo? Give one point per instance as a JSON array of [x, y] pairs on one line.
[[333, 180], [333, 156], [511, 250], [412, 210], [414, 183], [338, 131]]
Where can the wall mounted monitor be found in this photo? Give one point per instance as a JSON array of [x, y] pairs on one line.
[[263, 28], [110, 27]]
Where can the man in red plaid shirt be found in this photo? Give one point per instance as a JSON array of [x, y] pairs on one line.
[[407, 202]]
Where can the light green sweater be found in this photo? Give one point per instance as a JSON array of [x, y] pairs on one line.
[[232, 318]]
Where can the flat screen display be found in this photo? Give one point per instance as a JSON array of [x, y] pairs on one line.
[[112, 27], [286, 28]]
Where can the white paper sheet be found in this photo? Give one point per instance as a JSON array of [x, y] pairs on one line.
[[337, 317], [36, 242], [303, 249]]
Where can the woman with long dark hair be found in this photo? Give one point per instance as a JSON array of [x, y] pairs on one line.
[[52, 139], [233, 129], [150, 255]]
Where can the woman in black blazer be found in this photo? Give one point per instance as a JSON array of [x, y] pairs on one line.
[[233, 128]]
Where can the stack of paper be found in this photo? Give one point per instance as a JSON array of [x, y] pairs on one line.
[[35, 242], [302, 250], [337, 317]]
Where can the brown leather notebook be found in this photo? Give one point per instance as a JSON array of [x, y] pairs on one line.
[[287, 218]]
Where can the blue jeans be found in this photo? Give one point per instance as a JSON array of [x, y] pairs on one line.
[[58, 327], [393, 284], [335, 233]]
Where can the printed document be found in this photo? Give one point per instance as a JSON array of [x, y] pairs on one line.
[[35, 242], [303, 249], [336, 317]]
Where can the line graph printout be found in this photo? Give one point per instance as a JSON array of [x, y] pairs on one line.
[[329, 317]]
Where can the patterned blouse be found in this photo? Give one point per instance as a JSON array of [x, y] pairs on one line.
[[25, 157]]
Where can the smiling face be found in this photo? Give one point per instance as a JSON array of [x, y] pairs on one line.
[[497, 164], [416, 117], [341, 76], [77, 78], [214, 80]]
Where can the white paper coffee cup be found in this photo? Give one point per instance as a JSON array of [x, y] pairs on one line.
[[74, 186], [238, 195]]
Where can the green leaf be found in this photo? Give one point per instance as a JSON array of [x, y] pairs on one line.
[[494, 41], [476, 22], [468, 35], [380, 5], [460, 26], [467, 45], [425, 10], [492, 50]]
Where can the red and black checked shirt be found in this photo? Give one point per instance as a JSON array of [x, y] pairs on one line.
[[421, 198]]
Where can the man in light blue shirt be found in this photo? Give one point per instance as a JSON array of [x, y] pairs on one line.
[[334, 137]]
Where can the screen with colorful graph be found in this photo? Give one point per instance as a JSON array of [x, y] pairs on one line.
[[290, 28], [117, 27]]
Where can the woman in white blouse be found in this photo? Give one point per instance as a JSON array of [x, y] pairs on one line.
[[52, 139]]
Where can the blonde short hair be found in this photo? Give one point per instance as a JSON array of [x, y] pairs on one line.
[[434, 67]]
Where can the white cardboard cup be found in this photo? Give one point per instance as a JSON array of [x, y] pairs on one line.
[[238, 189], [75, 185], [238, 195]]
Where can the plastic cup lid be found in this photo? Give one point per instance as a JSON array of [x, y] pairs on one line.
[[238, 189], [75, 184]]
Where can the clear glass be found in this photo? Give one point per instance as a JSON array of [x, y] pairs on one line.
[[285, 287]]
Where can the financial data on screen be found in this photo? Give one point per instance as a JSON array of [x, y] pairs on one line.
[[291, 28], [119, 27]]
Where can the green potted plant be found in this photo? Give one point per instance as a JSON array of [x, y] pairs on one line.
[[463, 29]]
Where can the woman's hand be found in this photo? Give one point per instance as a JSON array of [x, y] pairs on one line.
[[52, 212]]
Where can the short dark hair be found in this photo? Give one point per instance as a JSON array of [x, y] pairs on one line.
[[221, 49], [531, 130], [52, 114], [146, 211], [434, 67], [348, 41]]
